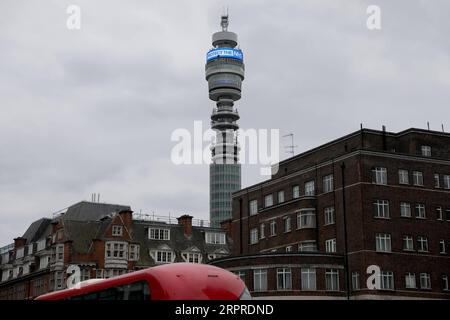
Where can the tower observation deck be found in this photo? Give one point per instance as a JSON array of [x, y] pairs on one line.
[[224, 72]]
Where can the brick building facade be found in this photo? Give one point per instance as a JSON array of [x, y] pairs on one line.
[[371, 198], [103, 240]]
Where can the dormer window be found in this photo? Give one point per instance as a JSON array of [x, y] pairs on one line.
[[117, 231]]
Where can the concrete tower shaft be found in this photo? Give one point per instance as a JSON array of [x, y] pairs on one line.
[[224, 72]]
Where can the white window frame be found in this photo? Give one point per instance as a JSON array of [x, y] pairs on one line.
[[356, 281], [306, 218], [268, 200], [440, 213], [403, 176], [308, 279], [133, 252], [259, 280], [422, 244], [383, 242], [117, 231], [379, 175], [437, 180], [445, 286], [280, 196], [116, 250], [420, 211], [192, 257], [273, 228], [287, 224], [387, 280], [426, 151], [329, 216], [446, 181], [442, 246], [253, 207], [328, 183], [330, 245], [284, 279], [158, 233], [307, 246], [254, 236], [59, 252], [425, 280], [215, 238], [410, 280], [418, 178], [310, 188], [405, 209], [164, 256], [382, 209], [295, 192], [262, 230], [408, 243], [331, 279]]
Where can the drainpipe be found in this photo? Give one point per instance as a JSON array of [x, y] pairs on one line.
[[344, 211]]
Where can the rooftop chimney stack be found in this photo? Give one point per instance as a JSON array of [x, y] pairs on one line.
[[186, 221]]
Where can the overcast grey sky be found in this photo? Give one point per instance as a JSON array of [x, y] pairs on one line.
[[92, 110]]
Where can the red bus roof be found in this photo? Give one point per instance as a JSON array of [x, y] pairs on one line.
[[177, 281]]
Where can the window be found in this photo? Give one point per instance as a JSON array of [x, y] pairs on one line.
[[422, 244], [158, 234], [43, 262], [284, 279], [116, 250], [59, 280], [262, 228], [253, 204], [138, 291], [85, 274], [425, 281], [308, 279], [192, 257], [447, 213], [379, 175], [447, 181], [417, 178], [240, 274], [254, 236], [355, 281], [306, 218], [20, 253], [280, 196], [408, 243], [330, 245], [289, 249], [420, 211], [329, 215], [381, 209], [439, 214], [426, 151], [307, 246], [403, 176], [328, 183], [309, 188], [287, 224], [60, 252], [41, 245], [215, 237], [164, 256], [437, 182], [273, 228], [332, 279], [405, 209], [134, 252], [260, 280], [410, 280], [445, 282], [295, 192], [268, 200], [383, 242], [387, 280], [442, 246], [117, 231]]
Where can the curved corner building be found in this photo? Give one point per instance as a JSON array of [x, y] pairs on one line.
[[224, 73]]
